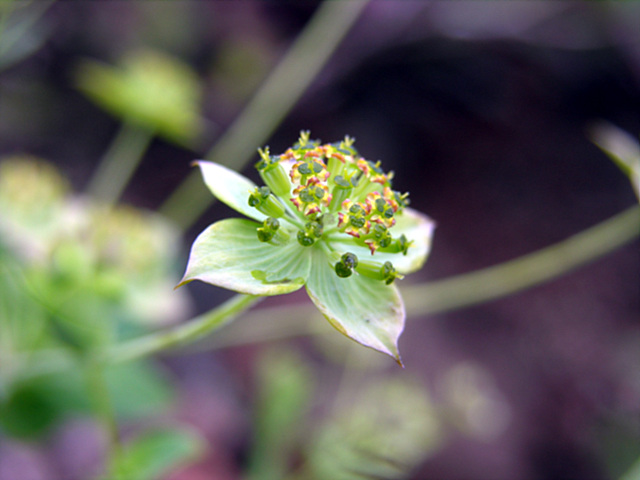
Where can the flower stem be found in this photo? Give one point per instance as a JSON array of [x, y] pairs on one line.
[[526, 271], [183, 334], [277, 95], [119, 163], [99, 394], [276, 323], [56, 360]]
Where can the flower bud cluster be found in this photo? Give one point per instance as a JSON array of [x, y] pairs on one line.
[[327, 190]]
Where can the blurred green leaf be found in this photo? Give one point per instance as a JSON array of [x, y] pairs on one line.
[[22, 320], [149, 88], [29, 409], [138, 389], [285, 385], [27, 412], [389, 429], [155, 454], [77, 316]]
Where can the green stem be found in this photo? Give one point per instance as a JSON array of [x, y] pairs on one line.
[[633, 473], [119, 163], [276, 323], [524, 272], [183, 334], [55, 360], [99, 394], [277, 95]]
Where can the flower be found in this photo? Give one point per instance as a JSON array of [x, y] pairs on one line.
[[327, 220]]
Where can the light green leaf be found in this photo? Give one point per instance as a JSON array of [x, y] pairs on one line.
[[365, 310], [230, 188], [416, 226], [228, 254], [155, 454]]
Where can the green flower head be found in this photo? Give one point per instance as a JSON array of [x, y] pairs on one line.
[[328, 220]]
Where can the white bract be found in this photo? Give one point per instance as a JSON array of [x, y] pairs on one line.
[[327, 220]]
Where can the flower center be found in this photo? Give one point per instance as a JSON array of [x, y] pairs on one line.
[[329, 191]]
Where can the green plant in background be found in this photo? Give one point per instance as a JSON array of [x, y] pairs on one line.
[[85, 283], [380, 427], [328, 220], [153, 94], [385, 432], [150, 89], [77, 277]]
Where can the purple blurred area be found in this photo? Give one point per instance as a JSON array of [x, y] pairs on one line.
[[481, 109]]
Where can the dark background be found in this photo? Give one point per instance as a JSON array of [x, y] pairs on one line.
[[482, 109]]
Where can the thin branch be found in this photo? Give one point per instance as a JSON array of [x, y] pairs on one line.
[[271, 103], [276, 323], [119, 163]]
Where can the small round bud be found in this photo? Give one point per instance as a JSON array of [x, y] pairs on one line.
[[304, 169], [262, 200], [268, 230], [258, 196], [358, 222], [305, 239], [389, 273], [350, 260], [342, 270], [265, 235], [272, 223], [314, 229], [340, 181], [344, 267]]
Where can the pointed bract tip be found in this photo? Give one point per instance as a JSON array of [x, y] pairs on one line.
[[184, 281]]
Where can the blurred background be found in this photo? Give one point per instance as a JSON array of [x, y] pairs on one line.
[[484, 111]]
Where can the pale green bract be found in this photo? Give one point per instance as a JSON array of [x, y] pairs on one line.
[[327, 220]]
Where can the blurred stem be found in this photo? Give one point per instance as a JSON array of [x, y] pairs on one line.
[[276, 323], [119, 163], [633, 473], [100, 398], [526, 271], [277, 95], [9, 37], [460, 291], [182, 334]]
